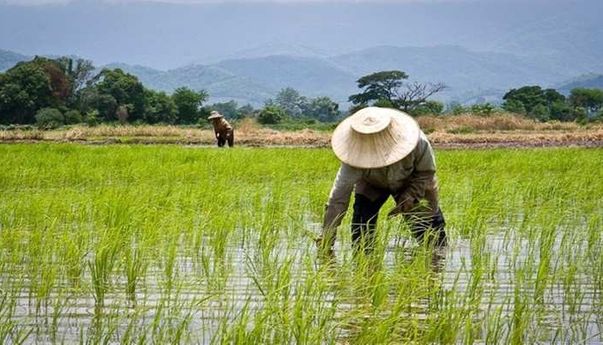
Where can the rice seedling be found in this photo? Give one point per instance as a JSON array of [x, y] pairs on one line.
[[168, 244]]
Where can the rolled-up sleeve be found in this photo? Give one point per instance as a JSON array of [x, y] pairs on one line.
[[339, 198]]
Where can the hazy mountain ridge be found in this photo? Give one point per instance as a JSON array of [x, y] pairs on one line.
[[8, 59], [470, 76], [311, 76], [571, 45], [590, 80], [264, 50], [461, 70], [220, 83]]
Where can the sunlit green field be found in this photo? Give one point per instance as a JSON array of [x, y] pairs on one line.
[[169, 244]]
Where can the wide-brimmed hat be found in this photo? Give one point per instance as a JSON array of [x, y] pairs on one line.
[[375, 137], [214, 115]]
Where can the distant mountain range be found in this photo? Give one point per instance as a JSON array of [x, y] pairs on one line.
[[257, 75], [470, 76], [591, 81], [8, 59]]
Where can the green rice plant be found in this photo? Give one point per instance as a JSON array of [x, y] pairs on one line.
[[165, 244], [135, 268], [103, 326], [10, 330], [101, 267], [72, 255], [58, 310]]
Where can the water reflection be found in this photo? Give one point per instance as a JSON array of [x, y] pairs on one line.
[[406, 289]]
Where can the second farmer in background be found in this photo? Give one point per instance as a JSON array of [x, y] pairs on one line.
[[222, 129]]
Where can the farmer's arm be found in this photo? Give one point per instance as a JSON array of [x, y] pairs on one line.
[[422, 178], [339, 200]]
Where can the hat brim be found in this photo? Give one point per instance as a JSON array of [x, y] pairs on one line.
[[211, 117], [378, 149]]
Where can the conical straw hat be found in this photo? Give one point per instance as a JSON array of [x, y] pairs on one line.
[[375, 137], [214, 115]]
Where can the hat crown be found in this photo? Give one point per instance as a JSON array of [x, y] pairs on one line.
[[370, 123], [214, 115], [375, 137]]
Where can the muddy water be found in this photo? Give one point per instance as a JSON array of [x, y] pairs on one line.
[[201, 300]]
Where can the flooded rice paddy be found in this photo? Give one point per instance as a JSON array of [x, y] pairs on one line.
[[164, 244]]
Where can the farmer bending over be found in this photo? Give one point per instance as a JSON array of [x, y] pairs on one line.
[[383, 153], [223, 130]]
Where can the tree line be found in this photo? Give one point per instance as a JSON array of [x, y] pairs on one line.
[[55, 92], [582, 105], [390, 89]]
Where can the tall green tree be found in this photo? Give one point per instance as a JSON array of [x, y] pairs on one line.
[[104, 105], [540, 112], [79, 71], [271, 114], [378, 86], [514, 106], [291, 102], [388, 89], [125, 88], [589, 99], [159, 107], [535, 102], [527, 96], [188, 104], [60, 83], [322, 108], [561, 111], [30, 86]]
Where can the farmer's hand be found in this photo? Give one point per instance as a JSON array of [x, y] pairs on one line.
[[320, 242], [323, 243], [325, 249], [402, 207]]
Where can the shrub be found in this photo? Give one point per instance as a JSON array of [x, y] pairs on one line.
[[514, 106], [49, 118], [271, 115], [72, 117], [91, 118], [483, 109], [456, 108], [428, 108], [540, 112]]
